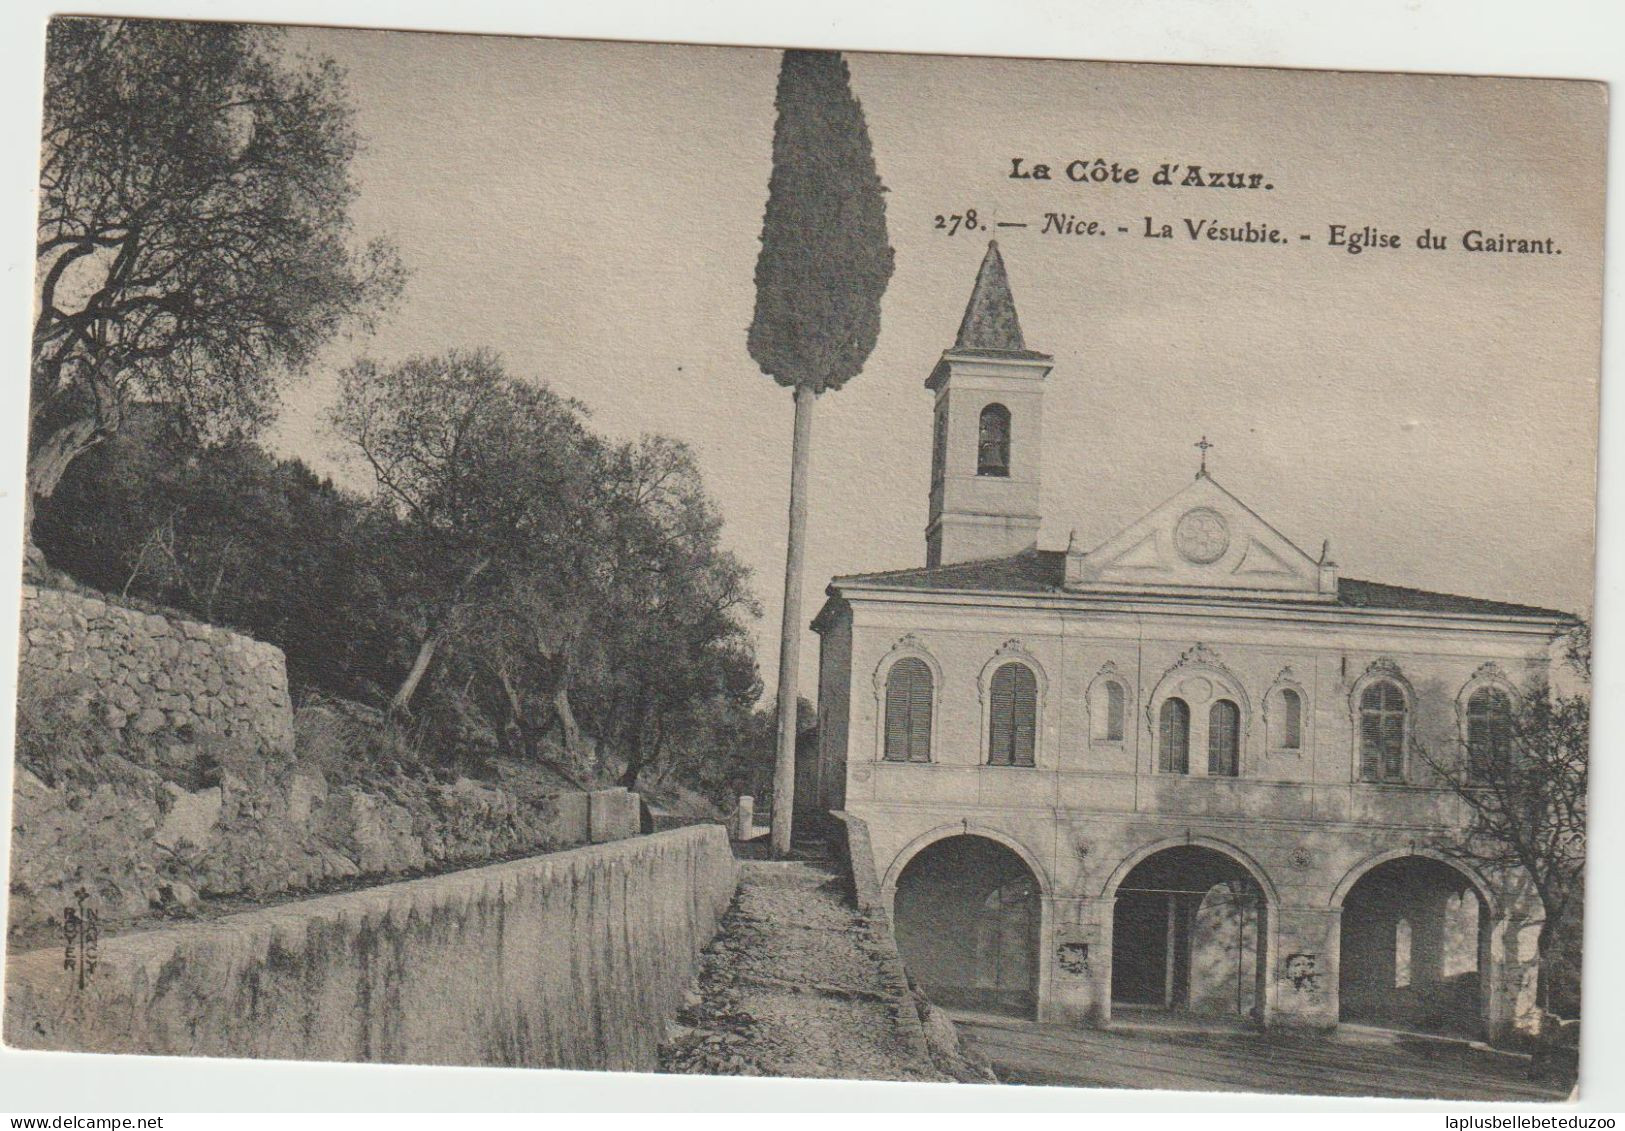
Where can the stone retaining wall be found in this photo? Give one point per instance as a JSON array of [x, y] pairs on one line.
[[158, 767], [153, 675], [570, 960]]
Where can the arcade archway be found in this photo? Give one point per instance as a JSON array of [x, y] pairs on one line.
[[967, 918], [1189, 932], [1412, 945]]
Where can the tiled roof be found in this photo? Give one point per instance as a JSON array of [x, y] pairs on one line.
[[1044, 571], [1032, 571], [1376, 595], [990, 321]]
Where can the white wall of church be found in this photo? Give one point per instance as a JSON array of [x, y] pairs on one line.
[[1300, 819], [1246, 661]]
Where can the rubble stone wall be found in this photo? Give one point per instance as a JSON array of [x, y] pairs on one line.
[[159, 767], [155, 675]]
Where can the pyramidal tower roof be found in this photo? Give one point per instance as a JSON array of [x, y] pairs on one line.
[[990, 331], [990, 321]]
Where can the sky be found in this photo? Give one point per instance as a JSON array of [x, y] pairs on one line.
[[591, 211]]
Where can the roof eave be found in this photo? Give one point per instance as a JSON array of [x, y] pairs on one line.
[[849, 589]]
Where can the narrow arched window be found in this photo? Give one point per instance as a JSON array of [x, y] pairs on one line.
[[1114, 711], [1382, 732], [1224, 739], [1489, 735], [1291, 719], [1013, 716], [939, 448], [993, 441], [908, 711], [1174, 745]]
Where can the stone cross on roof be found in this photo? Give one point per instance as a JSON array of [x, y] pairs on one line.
[[1204, 445], [990, 321]]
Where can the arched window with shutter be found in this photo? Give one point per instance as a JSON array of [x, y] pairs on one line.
[[1383, 713], [1174, 738], [1224, 739], [993, 441], [1489, 735], [1012, 716], [908, 711], [1291, 719], [1109, 705]]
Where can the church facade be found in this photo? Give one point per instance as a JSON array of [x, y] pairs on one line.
[[1192, 768]]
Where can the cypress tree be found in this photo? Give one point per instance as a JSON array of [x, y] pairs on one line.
[[824, 265]]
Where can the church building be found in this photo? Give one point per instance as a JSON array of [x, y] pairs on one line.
[[1190, 769]]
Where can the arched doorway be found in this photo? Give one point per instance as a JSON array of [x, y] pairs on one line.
[[967, 923], [1189, 933], [1411, 949]]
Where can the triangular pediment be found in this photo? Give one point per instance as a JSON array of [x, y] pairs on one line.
[[1202, 540]]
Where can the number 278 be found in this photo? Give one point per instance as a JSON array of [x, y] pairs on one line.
[[955, 223]]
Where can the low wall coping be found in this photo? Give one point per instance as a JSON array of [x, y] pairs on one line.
[[153, 947]]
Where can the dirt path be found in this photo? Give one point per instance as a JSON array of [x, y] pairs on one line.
[[1354, 1064], [797, 983]]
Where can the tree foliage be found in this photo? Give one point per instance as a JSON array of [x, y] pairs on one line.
[[552, 574], [606, 638], [486, 477], [511, 576], [825, 260], [1527, 810], [193, 234], [230, 535]]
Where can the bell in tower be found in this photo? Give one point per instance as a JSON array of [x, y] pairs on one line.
[[986, 457]]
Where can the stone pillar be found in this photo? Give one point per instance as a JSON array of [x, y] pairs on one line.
[[1305, 961], [612, 814], [1426, 917], [1078, 954], [745, 818], [1508, 956]]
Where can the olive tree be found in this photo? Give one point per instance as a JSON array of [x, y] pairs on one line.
[[193, 240]]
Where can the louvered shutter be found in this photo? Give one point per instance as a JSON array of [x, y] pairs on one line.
[[1174, 749], [1489, 734], [1370, 745], [1024, 715], [919, 714], [898, 682], [1501, 735], [1478, 746], [1001, 716], [1165, 739], [1393, 745], [1382, 733], [993, 441], [1223, 738]]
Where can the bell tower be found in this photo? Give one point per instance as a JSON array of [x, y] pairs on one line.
[[987, 428]]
